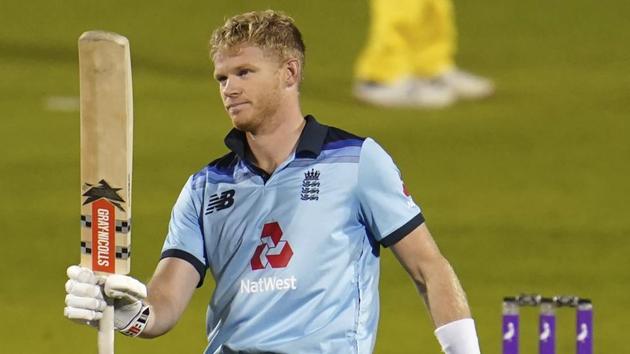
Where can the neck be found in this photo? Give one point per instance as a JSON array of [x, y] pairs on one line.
[[272, 144]]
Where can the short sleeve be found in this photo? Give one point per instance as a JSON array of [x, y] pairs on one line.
[[185, 237], [387, 210]]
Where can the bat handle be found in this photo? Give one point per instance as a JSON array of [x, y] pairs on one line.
[[106, 329]]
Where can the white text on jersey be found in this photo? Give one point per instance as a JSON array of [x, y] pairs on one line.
[[268, 284]]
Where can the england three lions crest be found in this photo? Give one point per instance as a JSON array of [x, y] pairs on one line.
[[310, 185]]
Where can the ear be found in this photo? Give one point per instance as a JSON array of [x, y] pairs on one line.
[[292, 72]]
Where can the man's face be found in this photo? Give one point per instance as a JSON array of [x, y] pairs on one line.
[[250, 83]]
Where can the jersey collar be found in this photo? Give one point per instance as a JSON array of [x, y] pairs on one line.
[[309, 144]]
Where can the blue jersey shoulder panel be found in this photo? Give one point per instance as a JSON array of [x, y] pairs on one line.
[[337, 138], [219, 170]]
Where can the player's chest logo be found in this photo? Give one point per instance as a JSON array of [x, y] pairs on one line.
[[310, 185], [220, 201], [272, 250]]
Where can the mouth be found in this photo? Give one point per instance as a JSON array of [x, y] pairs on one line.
[[235, 106]]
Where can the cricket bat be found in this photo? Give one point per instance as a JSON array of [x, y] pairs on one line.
[[106, 161]]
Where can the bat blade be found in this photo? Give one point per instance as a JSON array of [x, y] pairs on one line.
[[106, 161], [106, 151]]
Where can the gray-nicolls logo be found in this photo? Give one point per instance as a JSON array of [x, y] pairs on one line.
[[103, 190], [310, 185]]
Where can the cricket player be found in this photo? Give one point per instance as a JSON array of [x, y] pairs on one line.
[[290, 223], [409, 57]]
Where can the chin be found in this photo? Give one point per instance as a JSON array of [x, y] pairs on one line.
[[243, 122]]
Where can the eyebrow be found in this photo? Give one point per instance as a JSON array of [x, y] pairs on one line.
[[217, 75]]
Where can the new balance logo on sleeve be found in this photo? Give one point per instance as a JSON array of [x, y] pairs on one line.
[[220, 201]]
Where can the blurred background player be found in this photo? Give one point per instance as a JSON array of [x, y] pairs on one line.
[[409, 57]]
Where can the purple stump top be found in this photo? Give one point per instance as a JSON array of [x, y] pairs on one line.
[[547, 339], [584, 328], [510, 334], [547, 327]]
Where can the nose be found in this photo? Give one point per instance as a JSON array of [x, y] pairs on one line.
[[230, 88]]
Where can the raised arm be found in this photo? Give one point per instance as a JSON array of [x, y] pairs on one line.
[[169, 292], [138, 310]]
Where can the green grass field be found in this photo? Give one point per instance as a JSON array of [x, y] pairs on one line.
[[526, 191]]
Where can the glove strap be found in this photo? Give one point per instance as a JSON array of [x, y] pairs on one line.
[[136, 326]]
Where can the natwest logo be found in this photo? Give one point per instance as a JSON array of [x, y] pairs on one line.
[[272, 250]]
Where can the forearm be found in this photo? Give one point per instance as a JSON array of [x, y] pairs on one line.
[[163, 316], [441, 290], [443, 293], [169, 292], [449, 309]]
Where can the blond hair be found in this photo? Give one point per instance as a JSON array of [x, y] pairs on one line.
[[272, 31]]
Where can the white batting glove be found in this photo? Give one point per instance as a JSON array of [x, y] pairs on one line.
[[86, 294]]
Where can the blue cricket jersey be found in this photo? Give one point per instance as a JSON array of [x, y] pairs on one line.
[[294, 254]]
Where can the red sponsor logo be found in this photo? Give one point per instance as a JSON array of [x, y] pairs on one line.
[[405, 191], [103, 236], [272, 250]]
